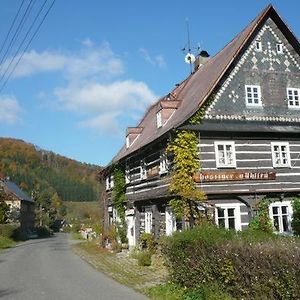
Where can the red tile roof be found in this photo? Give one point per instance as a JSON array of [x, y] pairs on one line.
[[198, 86]]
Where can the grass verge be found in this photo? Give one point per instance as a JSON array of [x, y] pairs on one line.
[[6, 242], [122, 267]]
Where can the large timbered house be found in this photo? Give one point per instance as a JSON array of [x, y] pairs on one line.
[[249, 138]]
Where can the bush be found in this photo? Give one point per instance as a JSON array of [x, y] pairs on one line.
[[247, 265], [6, 242], [296, 217], [144, 258], [43, 232], [7, 230], [147, 242]]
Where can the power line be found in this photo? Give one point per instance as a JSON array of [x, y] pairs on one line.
[[16, 34], [23, 41], [11, 26], [27, 46]]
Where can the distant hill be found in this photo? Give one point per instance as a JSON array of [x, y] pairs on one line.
[[31, 167]]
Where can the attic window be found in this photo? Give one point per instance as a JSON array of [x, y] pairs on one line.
[[158, 119], [258, 45], [127, 142], [279, 48]]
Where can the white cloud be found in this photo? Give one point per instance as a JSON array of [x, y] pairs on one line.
[[90, 61], [9, 110], [93, 97], [157, 60], [103, 124], [94, 88]]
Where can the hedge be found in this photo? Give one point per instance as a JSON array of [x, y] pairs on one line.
[[247, 265]]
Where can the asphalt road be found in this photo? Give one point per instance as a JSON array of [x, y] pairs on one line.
[[47, 269]]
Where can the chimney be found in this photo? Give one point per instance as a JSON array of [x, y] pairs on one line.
[[201, 59]]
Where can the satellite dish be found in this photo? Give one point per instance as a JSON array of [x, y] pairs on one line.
[[189, 58]]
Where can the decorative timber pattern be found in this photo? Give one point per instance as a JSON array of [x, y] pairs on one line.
[[273, 69]]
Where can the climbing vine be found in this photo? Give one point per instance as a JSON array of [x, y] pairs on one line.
[[296, 216], [119, 198], [186, 164], [262, 221]]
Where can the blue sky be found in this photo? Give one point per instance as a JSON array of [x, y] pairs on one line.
[[95, 66]]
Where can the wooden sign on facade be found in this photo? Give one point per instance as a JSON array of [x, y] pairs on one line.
[[233, 176]]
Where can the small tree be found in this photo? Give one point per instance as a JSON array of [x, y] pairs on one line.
[[296, 216], [4, 208]]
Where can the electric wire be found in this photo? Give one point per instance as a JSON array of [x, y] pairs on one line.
[[27, 46], [16, 34], [11, 27], [23, 41]]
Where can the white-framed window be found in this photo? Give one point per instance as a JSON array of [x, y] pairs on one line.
[[293, 97], [170, 221], [159, 119], [281, 213], [280, 154], [228, 216], [163, 163], [258, 45], [143, 170], [225, 154], [127, 142], [127, 173], [109, 182], [253, 95], [148, 221], [279, 48]]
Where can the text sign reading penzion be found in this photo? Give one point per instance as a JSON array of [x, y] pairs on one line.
[[233, 176]]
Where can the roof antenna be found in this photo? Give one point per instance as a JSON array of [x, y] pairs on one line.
[[189, 57]]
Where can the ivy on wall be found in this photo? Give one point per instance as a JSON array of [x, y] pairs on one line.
[[296, 216], [262, 221], [186, 164], [119, 198]]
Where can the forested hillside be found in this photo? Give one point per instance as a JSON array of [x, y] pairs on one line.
[[35, 169]]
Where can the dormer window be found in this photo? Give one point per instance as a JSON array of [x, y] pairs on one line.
[[132, 134], [165, 110], [159, 119], [258, 45], [279, 48]]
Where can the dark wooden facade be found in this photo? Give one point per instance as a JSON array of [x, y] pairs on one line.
[[249, 139]]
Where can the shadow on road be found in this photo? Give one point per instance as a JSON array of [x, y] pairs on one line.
[[7, 292]]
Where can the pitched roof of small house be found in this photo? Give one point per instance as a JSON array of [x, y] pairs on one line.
[[11, 187], [197, 88]]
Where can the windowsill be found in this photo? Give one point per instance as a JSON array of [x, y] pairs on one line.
[[226, 167], [254, 105], [294, 107], [282, 167]]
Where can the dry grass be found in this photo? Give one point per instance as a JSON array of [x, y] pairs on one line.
[[122, 267]]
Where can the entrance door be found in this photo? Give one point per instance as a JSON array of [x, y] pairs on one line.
[[131, 231]]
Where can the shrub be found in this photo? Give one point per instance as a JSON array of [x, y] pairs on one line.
[[7, 230], [6, 242], [147, 241], [43, 232], [296, 217], [144, 258], [247, 265]]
